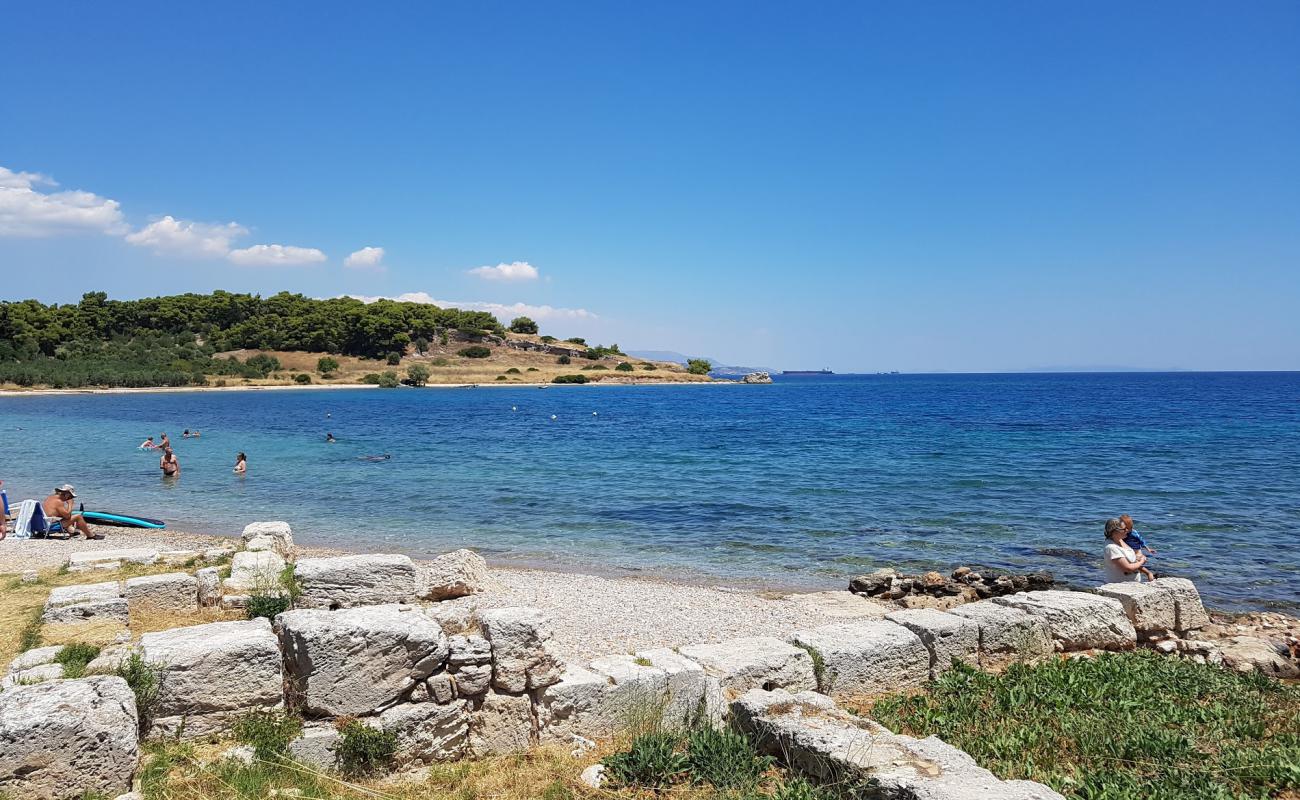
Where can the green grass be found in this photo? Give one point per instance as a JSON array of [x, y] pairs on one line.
[[363, 750], [1128, 726], [30, 638], [74, 658], [267, 732], [145, 680]]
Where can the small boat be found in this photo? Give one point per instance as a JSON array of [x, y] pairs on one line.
[[121, 520]]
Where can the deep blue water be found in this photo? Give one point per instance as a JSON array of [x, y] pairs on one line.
[[803, 483]]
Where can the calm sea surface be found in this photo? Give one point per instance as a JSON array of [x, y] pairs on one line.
[[800, 484]]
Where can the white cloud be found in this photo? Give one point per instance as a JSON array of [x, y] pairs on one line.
[[516, 271], [275, 255], [365, 258], [182, 237], [502, 311], [27, 211]]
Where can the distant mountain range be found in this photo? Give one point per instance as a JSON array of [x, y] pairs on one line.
[[719, 368]]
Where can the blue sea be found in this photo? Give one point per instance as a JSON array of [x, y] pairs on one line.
[[801, 484]]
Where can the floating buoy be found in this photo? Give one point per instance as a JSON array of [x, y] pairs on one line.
[[594, 414], [552, 416], [514, 408]]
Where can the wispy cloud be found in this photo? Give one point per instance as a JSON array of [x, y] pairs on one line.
[[28, 211], [500, 310], [275, 255], [366, 258], [514, 271]]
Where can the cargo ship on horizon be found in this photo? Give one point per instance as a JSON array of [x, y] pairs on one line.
[[807, 372]]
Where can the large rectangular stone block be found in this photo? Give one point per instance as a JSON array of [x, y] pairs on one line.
[[174, 591], [738, 665], [866, 657], [947, 637], [1006, 633], [1078, 620], [361, 580], [1149, 608], [1189, 613]]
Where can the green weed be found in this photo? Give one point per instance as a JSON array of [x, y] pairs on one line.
[[267, 732], [654, 761], [363, 750], [724, 759], [74, 658]]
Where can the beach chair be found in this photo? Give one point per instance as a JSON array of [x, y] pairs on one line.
[[31, 522]]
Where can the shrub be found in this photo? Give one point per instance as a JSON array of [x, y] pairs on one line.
[[698, 366], [417, 374], [421, 345], [502, 378], [523, 325], [220, 383], [569, 379], [474, 351], [576, 340], [362, 750], [145, 680], [393, 359], [326, 366], [75, 657], [649, 367], [302, 377], [267, 732], [623, 366], [724, 759], [596, 367], [548, 339], [532, 369], [440, 362], [266, 605], [371, 378], [562, 360], [513, 371], [653, 761], [262, 364], [389, 380]]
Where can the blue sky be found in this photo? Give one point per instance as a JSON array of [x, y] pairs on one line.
[[865, 186]]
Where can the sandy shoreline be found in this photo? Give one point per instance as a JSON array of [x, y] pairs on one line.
[[592, 615]]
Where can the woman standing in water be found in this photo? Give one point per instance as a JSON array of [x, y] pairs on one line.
[[241, 464]]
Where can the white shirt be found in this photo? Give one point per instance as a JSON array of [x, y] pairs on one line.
[[1113, 572]]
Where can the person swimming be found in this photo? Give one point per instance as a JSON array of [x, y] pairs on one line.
[[384, 457], [329, 438], [148, 444]]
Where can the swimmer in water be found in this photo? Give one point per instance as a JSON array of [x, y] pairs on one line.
[[384, 457], [148, 444], [329, 438]]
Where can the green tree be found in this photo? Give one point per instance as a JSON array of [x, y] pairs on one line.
[[327, 366], [624, 366], [421, 345], [394, 359], [417, 374], [698, 366], [523, 325], [388, 380]]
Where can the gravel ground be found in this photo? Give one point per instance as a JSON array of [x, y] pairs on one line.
[[590, 615]]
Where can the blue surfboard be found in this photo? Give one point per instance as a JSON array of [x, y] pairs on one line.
[[121, 520]]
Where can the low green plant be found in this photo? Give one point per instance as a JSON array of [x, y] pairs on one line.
[[1118, 726], [513, 371], [595, 366], [440, 362], [502, 378], [474, 351], [563, 360], [145, 680], [533, 369], [267, 732], [363, 750], [569, 379], [393, 359], [654, 761], [30, 636], [266, 605], [724, 758], [302, 377], [389, 380], [649, 367], [824, 679], [624, 366], [74, 658], [371, 378]]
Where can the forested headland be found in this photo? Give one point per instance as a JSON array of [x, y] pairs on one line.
[[175, 340]]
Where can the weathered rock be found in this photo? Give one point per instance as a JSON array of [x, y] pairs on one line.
[[473, 679], [351, 581], [578, 706], [441, 687], [68, 738], [175, 591], [111, 610], [35, 658], [109, 659], [428, 732], [260, 543], [1255, 654], [28, 677], [523, 655], [217, 553], [455, 618], [593, 776], [315, 746], [865, 657], [1149, 606], [31, 576], [501, 723], [1189, 613], [687, 688], [90, 559], [468, 650], [210, 674], [279, 534], [455, 574], [816, 738], [947, 637], [874, 583], [255, 573], [1007, 632], [359, 660], [208, 587], [1078, 620], [757, 377], [734, 667], [62, 596], [233, 602]]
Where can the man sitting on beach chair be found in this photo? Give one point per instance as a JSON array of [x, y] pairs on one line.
[[58, 510]]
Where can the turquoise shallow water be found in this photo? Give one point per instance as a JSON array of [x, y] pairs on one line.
[[803, 483]]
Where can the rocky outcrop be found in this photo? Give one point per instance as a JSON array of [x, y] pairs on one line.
[[351, 581], [864, 657], [455, 574], [358, 661], [172, 591], [1255, 654], [275, 536], [963, 585], [1078, 620], [523, 655], [757, 377], [210, 674], [68, 739]]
